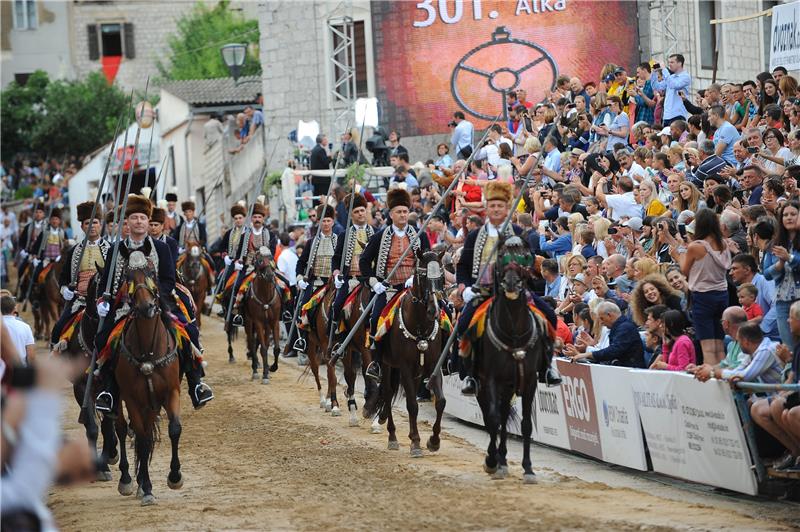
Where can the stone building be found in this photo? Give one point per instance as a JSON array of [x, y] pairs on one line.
[[303, 73]]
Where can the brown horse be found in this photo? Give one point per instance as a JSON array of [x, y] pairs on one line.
[[356, 353], [46, 300], [149, 378], [80, 348], [261, 310], [410, 350], [317, 349], [195, 277]]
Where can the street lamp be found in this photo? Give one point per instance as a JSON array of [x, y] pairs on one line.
[[234, 55]]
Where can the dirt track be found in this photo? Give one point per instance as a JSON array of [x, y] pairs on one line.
[[266, 457]]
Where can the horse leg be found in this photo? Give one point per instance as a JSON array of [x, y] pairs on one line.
[[528, 476], [125, 486], [252, 348], [410, 386], [276, 339], [263, 338], [143, 427], [388, 389], [439, 403], [174, 479], [332, 382], [231, 359], [505, 412], [110, 453], [350, 379], [491, 420]]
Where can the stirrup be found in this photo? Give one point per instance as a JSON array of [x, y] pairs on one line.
[[374, 371], [202, 394], [300, 345], [104, 402], [470, 386], [237, 321]]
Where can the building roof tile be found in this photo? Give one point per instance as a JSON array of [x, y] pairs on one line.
[[197, 92]]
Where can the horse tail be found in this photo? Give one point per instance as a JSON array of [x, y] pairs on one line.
[[146, 443], [377, 403]]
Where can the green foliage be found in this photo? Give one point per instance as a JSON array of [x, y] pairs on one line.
[[58, 118], [24, 192], [273, 180], [355, 170], [194, 50]]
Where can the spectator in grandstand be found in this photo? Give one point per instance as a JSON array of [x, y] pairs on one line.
[[678, 350], [782, 265], [762, 365], [653, 290], [625, 345]]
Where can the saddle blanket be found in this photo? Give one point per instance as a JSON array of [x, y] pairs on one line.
[[43, 274], [286, 292], [313, 302], [389, 313], [351, 301], [477, 326], [113, 344], [71, 327]]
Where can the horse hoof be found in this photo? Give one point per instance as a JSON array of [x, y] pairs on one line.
[[265, 380], [489, 470], [501, 473], [328, 406], [104, 476], [255, 376], [273, 368], [416, 452], [148, 500], [529, 478], [353, 422], [175, 485], [139, 493], [376, 427], [125, 489], [394, 446], [432, 447], [231, 360], [336, 411]]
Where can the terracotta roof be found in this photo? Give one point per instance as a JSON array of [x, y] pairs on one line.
[[215, 91]]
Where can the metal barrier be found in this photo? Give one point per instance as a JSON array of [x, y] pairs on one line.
[[300, 199]]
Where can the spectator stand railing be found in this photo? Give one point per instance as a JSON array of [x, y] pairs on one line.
[[742, 390]]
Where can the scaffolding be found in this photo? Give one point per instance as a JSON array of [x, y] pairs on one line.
[[664, 41], [342, 61]]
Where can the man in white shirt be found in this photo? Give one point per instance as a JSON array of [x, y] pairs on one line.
[[491, 151], [551, 167], [20, 332], [462, 136], [287, 260], [630, 167], [623, 204]]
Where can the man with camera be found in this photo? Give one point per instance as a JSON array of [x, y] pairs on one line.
[[461, 139], [672, 81]]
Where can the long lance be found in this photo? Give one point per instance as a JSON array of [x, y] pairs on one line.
[[243, 250], [447, 346], [117, 188], [245, 238], [73, 282], [89, 419], [154, 190], [324, 201], [332, 325], [411, 243]]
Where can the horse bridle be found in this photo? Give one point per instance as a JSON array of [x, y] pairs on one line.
[[422, 340]]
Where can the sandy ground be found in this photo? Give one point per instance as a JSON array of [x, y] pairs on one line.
[[266, 457]]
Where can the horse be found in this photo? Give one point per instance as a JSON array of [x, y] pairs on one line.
[[46, 300], [508, 356], [261, 310], [148, 374], [356, 353], [80, 348], [416, 340], [195, 277], [317, 349]]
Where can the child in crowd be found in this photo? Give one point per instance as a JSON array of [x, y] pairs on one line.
[[748, 293]]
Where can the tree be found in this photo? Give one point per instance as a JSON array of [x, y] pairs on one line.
[[194, 50], [58, 118]]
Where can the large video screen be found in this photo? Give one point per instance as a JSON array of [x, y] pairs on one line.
[[438, 56]]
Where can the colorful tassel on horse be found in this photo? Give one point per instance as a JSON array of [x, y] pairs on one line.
[[43, 274], [72, 325], [388, 314], [313, 302], [113, 341], [351, 301]]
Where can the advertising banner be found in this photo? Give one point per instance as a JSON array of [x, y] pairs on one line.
[[785, 41], [580, 408], [550, 421], [693, 430], [435, 57]]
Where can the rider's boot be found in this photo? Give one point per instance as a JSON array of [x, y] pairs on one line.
[[470, 386], [374, 368], [550, 377], [199, 392]]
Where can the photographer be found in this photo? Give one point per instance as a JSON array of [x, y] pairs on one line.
[[461, 139]]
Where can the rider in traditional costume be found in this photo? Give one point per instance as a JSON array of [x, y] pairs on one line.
[[78, 270], [317, 258], [192, 231], [259, 236], [137, 215], [356, 240], [54, 241], [382, 253], [477, 252], [27, 237], [173, 218], [230, 240]]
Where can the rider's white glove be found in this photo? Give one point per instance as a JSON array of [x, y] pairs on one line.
[[302, 284], [23, 254], [66, 293], [228, 260], [36, 262], [238, 266], [338, 282], [181, 250], [379, 288], [58, 259], [467, 294], [410, 282], [103, 309]]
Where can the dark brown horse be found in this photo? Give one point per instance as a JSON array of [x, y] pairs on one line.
[[410, 351], [46, 300], [80, 348], [149, 379], [195, 277], [317, 349], [261, 309], [513, 348]]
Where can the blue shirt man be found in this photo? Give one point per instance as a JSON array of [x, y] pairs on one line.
[[725, 136], [461, 139], [674, 80]]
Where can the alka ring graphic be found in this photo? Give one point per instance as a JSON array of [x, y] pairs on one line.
[[503, 79]]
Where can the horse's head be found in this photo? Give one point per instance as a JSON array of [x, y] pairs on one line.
[[512, 271], [142, 286], [428, 275], [192, 265], [263, 263]]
